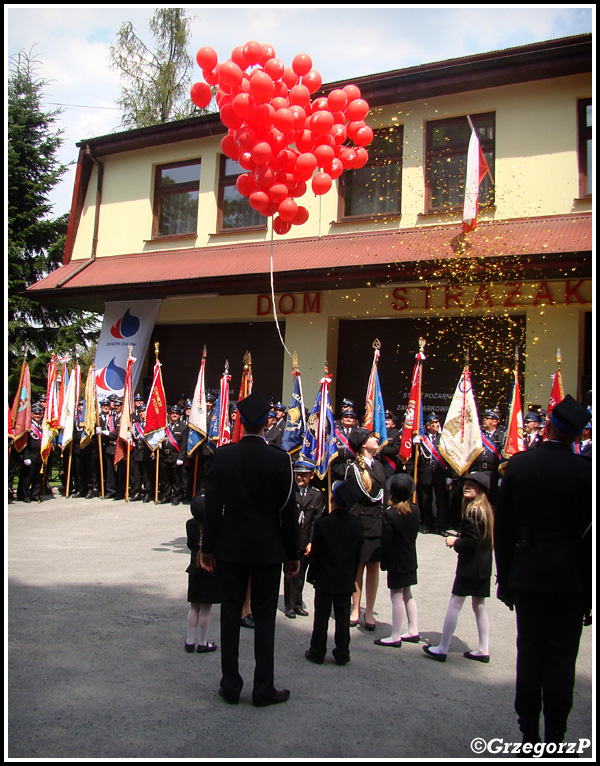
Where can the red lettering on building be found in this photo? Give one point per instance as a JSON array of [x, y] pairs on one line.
[[543, 294], [400, 295], [263, 305], [484, 295], [455, 296], [572, 291], [427, 290], [290, 301], [309, 307], [513, 298]]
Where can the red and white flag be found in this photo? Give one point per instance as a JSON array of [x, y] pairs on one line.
[[20, 417], [412, 418], [477, 168], [124, 439], [245, 390], [156, 411], [460, 442], [514, 434], [224, 427]]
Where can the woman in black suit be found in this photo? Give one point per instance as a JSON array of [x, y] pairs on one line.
[[370, 477], [401, 521], [473, 569]]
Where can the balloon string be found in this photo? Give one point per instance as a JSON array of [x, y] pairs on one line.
[[273, 299]]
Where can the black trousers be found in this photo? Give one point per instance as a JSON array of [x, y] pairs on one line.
[[264, 595], [342, 606], [293, 587], [548, 633], [433, 502]]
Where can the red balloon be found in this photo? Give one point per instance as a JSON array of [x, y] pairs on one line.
[[304, 140], [252, 52], [321, 183], [277, 193], [279, 102], [306, 164], [339, 133], [299, 190], [207, 58], [300, 217], [246, 161], [287, 209], [312, 80], [283, 120], [212, 78], [289, 77], [302, 64], [242, 104], [264, 177], [200, 94], [277, 139], [352, 127], [357, 109], [324, 155], [321, 122], [336, 168], [230, 74], [362, 157], [351, 91], [280, 226], [286, 159], [300, 95], [258, 200], [245, 138], [325, 140], [229, 118], [237, 56], [363, 136], [299, 116], [320, 104], [274, 68], [262, 116], [348, 158], [229, 147], [262, 86], [245, 184], [267, 53], [262, 153], [337, 100]]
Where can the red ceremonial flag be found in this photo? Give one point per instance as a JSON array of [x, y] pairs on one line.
[[20, 418], [245, 390], [156, 410], [477, 167], [224, 428], [124, 438], [412, 417], [557, 394], [514, 434]]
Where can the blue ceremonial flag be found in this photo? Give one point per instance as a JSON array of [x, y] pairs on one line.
[[295, 425], [319, 444], [375, 410]]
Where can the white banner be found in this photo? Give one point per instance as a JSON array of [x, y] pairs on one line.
[[126, 323]]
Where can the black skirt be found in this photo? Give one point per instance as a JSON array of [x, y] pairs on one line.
[[371, 550], [396, 580], [471, 586], [203, 588]]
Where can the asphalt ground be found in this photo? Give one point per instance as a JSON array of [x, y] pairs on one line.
[[96, 616]]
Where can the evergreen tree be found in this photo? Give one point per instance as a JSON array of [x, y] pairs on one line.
[[35, 239], [155, 83]]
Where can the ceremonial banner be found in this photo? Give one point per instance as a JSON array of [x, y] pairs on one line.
[[412, 417], [557, 394], [197, 425], [245, 390], [477, 167], [124, 438], [514, 433], [126, 323], [89, 408], [69, 407], [460, 442], [319, 444], [222, 407], [295, 423], [51, 419], [20, 416], [374, 408], [156, 411]]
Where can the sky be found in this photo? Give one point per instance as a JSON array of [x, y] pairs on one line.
[[71, 45]]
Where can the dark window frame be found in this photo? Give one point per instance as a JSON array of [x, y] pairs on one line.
[[459, 150], [373, 161], [585, 134], [161, 192], [226, 181]]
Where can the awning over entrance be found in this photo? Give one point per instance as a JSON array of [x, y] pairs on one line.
[[303, 263]]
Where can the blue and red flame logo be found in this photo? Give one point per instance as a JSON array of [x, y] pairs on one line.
[[111, 377], [126, 327]]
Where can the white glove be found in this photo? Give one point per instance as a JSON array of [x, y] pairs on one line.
[[27, 461], [98, 430], [180, 462], [416, 439]]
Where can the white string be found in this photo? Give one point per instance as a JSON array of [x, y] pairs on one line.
[[273, 297]]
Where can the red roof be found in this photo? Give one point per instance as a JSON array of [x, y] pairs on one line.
[[366, 251]]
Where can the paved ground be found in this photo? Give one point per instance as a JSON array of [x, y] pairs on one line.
[[96, 667]]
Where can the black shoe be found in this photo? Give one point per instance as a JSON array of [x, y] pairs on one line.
[[175, 502], [189, 648], [342, 662], [230, 699], [247, 621], [434, 655], [290, 613], [208, 647], [369, 626], [279, 695], [136, 497], [147, 499], [90, 494], [301, 612], [412, 639], [313, 657], [379, 642], [477, 657]]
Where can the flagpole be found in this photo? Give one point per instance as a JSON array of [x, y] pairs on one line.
[[129, 403], [422, 344], [99, 438], [156, 457]]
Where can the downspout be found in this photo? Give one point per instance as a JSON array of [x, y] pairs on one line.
[[92, 258]]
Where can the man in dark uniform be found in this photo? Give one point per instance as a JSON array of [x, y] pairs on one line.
[[172, 454], [108, 431], [345, 454], [583, 446], [31, 478], [142, 463], [492, 439], [271, 433], [432, 479], [86, 456], [542, 539], [280, 419], [250, 529], [388, 455], [531, 430], [311, 502]]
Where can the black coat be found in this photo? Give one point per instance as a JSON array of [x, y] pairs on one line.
[[335, 553], [542, 522], [310, 507], [251, 511], [368, 511], [474, 551], [398, 540]]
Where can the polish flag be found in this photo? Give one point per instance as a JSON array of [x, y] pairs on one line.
[[477, 167]]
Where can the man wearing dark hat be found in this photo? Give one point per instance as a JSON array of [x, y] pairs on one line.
[[583, 446], [432, 475], [492, 440], [542, 537], [172, 456], [251, 528], [345, 454], [30, 479], [531, 430], [310, 507], [108, 431], [388, 454]]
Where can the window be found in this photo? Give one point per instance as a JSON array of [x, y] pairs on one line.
[[176, 192], [446, 162], [234, 209], [374, 190], [585, 147]]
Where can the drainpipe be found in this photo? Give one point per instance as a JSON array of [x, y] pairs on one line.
[[92, 258]]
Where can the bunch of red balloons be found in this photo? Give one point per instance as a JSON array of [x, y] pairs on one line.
[[276, 133]]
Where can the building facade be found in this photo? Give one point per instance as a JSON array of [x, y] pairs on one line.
[[156, 214]]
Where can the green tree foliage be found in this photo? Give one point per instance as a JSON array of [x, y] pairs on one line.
[[155, 83], [35, 239]]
